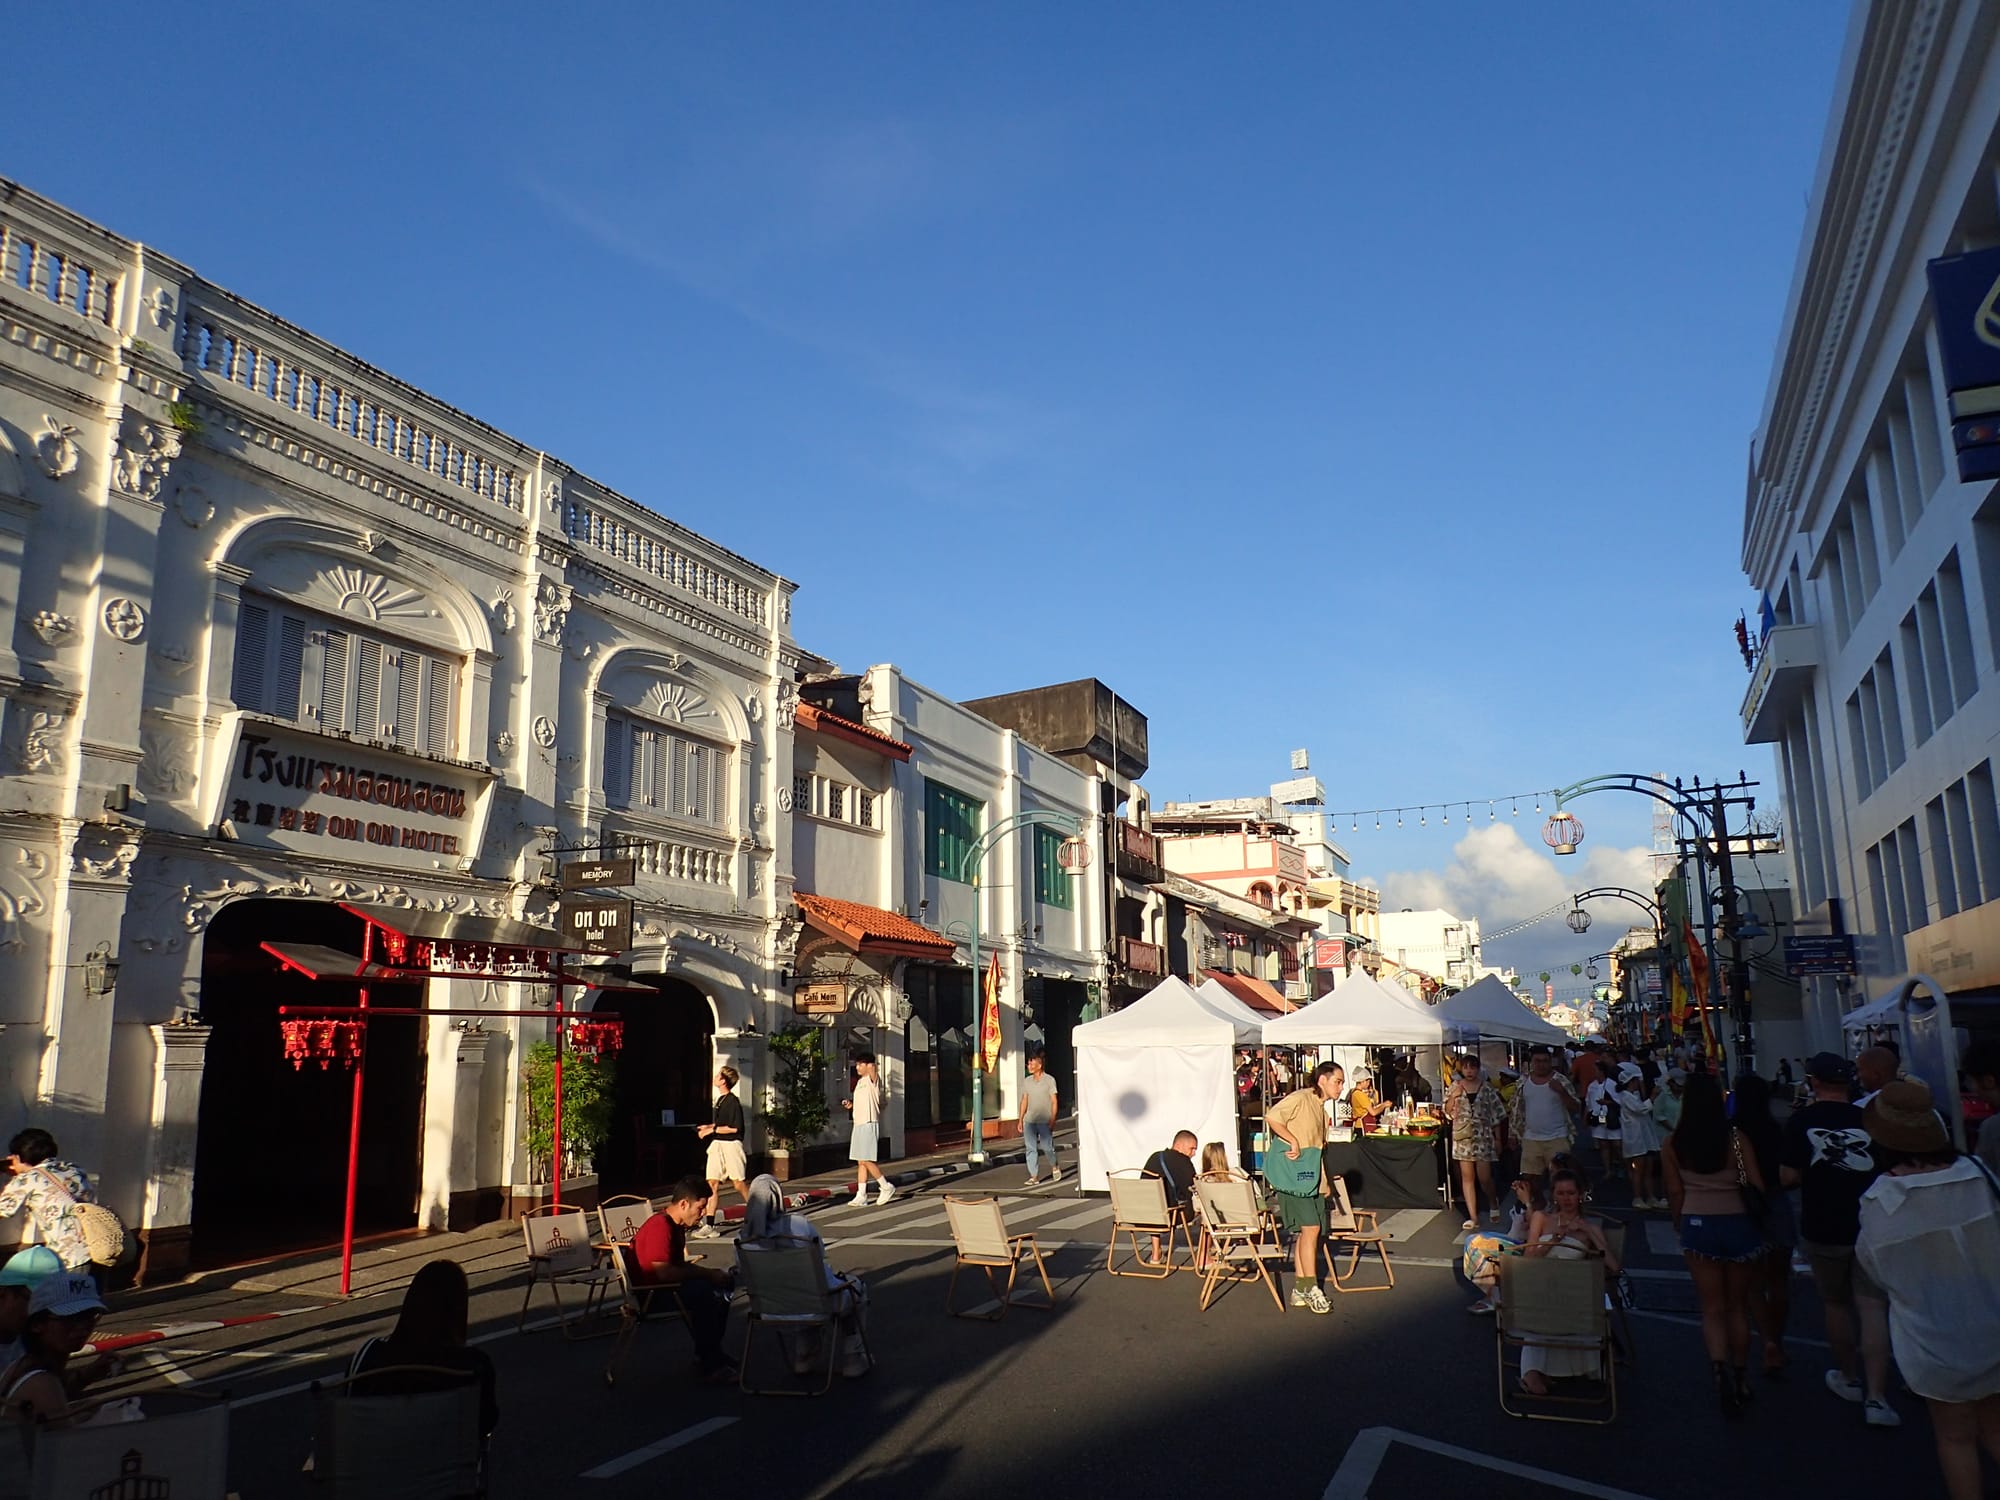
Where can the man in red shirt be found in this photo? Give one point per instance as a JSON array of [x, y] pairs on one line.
[[659, 1251]]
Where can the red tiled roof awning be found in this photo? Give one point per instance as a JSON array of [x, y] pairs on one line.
[[825, 721], [1252, 991], [869, 929]]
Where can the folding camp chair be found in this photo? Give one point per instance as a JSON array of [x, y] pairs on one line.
[[785, 1284], [560, 1254], [1139, 1206], [412, 1445], [1548, 1303], [635, 1306], [980, 1235], [618, 1219], [1239, 1236], [1627, 1351], [1356, 1231]]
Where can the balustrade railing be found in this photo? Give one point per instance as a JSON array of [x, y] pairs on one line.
[[620, 533], [44, 264]]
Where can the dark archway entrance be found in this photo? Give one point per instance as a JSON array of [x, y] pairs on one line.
[[271, 1149], [667, 1063]]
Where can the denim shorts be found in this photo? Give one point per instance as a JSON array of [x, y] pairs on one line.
[[1722, 1237]]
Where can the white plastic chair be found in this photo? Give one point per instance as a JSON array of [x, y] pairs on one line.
[[1139, 1206], [980, 1235], [785, 1284], [560, 1254], [418, 1445], [1239, 1236]]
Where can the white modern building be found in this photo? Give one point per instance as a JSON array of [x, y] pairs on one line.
[[1874, 675], [1434, 942], [287, 639]]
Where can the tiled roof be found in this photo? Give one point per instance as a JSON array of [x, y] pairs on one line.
[[812, 716], [1252, 991], [869, 929]]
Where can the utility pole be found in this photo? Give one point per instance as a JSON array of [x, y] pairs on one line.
[[1739, 969]]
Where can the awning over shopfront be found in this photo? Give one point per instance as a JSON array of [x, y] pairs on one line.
[[870, 929], [1261, 997]]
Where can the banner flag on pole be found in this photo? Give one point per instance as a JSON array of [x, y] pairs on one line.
[[989, 1019]]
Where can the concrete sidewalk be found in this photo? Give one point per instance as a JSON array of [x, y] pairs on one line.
[[493, 1251]]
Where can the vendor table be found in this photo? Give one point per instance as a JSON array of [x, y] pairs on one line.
[[1387, 1171]]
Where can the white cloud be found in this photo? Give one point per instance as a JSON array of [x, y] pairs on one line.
[[1497, 877]]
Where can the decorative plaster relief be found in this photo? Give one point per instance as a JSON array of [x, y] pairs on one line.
[[370, 596], [192, 505], [56, 449], [173, 660], [21, 896], [784, 799], [545, 731], [504, 742], [146, 451], [788, 702], [53, 628], [372, 542], [674, 702], [505, 616], [103, 854], [753, 707], [41, 744], [552, 494], [125, 618], [552, 605], [164, 768], [163, 307]]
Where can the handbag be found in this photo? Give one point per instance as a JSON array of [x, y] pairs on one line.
[[1754, 1203], [103, 1231], [1298, 1176]]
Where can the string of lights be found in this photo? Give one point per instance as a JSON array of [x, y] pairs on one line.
[[1444, 809]]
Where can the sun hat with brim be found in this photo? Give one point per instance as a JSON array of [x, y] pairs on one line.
[[66, 1295], [29, 1267], [1901, 1118]]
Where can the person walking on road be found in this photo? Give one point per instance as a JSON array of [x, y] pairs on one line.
[[1709, 1165], [1299, 1121], [1930, 1238], [726, 1162], [50, 1189], [1828, 1156], [1544, 1105], [864, 1146], [1039, 1109], [1473, 1107]]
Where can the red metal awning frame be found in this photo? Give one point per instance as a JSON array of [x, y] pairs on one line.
[[515, 952]]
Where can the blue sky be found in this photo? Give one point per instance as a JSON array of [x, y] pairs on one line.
[[1376, 379]]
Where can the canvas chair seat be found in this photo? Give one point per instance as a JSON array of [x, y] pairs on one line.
[[418, 1445], [979, 1235], [1240, 1240], [636, 1305], [1356, 1231], [1548, 1303], [1139, 1207], [561, 1254], [784, 1282]]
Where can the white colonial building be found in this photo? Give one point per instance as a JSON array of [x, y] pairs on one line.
[[1874, 674], [284, 636]]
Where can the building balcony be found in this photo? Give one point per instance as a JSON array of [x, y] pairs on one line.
[[1138, 853], [1785, 666], [1142, 958]]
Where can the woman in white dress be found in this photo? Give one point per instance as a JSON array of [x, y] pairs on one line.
[[1562, 1231], [1642, 1136]]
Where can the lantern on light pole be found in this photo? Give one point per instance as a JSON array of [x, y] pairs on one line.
[[1578, 920], [1563, 832]]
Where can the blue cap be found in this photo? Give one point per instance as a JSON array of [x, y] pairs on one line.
[[29, 1266]]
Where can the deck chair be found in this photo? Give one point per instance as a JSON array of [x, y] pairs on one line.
[[1240, 1241], [1139, 1206], [560, 1255], [980, 1235], [635, 1306], [1554, 1304], [414, 1445], [785, 1285], [618, 1219], [1355, 1230], [1622, 1343], [184, 1452]]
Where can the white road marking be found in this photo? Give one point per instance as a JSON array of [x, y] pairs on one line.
[[174, 1373], [1355, 1478], [1406, 1223], [614, 1467], [1097, 1213], [1688, 1322]]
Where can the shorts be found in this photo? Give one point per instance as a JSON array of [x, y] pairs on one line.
[[1839, 1274], [1728, 1237], [1538, 1156], [1296, 1211], [725, 1161], [865, 1144], [1471, 1149]]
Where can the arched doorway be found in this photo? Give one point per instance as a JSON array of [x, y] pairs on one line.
[[271, 1148], [667, 1063]]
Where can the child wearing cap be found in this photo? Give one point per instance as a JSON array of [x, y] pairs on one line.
[[62, 1312], [18, 1279]]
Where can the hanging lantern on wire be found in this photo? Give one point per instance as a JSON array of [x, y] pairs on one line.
[[1578, 920], [1563, 832]]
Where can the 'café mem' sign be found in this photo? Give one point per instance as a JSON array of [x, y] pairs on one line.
[[307, 794]]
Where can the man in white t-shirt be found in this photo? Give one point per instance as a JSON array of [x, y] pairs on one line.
[[1541, 1113]]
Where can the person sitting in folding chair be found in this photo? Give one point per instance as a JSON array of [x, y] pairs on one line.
[[659, 1250], [1562, 1231], [430, 1331], [766, 1219]]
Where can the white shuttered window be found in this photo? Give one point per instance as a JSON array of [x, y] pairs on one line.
[[649, 767], [321, 675]]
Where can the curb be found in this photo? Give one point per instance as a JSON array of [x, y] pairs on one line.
[[117, 1341]]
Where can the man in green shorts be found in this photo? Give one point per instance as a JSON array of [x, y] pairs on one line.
[[1299, 1120]]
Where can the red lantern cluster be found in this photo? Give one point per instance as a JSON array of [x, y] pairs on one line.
[[323, 1042], [593, 1039]]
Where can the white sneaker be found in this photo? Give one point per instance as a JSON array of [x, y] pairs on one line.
[[888, 1192], [1880, 1414], [1055, 1174], [706, 1232], [1843, 1387], [1298, 1296], [1316, 1301], [860, 1198]]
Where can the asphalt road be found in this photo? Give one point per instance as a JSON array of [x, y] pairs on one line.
[[1124, 1389]]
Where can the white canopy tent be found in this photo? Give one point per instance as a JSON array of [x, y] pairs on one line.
[[1488, 1008], [1360, 1012], [1163, 1064], [1887, 1011]]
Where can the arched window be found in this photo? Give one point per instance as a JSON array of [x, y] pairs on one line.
[[326, 674], [651, 767]]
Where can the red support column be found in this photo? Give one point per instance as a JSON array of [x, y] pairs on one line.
[[354, 1124], [556, 1154]]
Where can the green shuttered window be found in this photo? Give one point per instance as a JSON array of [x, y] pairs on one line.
[[951, 827]]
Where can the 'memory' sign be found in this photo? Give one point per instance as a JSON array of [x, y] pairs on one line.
[[310, 795]]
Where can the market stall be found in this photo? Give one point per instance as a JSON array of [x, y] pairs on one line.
[[1399, 1168], [1163, 1064], [1489, 1010]]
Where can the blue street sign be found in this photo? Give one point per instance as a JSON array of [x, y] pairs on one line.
[[1820, 954], [1965, 295]]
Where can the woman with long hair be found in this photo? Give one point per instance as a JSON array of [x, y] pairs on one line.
[[1708, 1164], [1771, 1289], [430, 1331], [1561, 1230]]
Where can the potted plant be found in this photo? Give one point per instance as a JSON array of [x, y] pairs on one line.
[[587, 1108], [796, 1110]]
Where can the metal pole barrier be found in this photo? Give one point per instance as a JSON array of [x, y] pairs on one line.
[[354, 1125], [556, 1152]]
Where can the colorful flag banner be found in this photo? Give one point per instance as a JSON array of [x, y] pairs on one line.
[[989, 1022]]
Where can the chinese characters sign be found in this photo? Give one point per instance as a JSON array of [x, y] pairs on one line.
[[310, 795]]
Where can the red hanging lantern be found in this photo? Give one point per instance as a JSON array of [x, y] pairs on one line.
[[323, 1042], [593, 1039], [298, 1042]]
